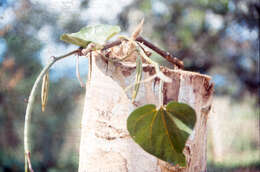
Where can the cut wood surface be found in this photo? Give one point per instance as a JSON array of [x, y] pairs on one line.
[[105, 142]]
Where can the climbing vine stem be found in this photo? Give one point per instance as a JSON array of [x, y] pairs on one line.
[[161, 93], [30, 104]]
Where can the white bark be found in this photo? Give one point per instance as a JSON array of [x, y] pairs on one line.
[[105, 143]]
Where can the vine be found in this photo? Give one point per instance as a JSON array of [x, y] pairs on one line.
[[161, 130]]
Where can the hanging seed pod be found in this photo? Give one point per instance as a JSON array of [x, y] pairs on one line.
[[77, 72], [45, 87], [138, 77]]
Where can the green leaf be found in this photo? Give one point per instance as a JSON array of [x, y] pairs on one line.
[[162, 132], [138, 77], [161, 61], [181, 111], [97, 34]]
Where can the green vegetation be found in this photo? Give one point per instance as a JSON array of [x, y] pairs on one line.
[[163, 132]]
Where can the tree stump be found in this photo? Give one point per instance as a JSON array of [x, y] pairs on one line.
[[105, 142]]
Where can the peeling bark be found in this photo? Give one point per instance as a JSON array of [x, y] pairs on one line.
[[105, 142]]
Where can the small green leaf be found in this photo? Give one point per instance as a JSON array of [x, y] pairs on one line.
[[162, 132], [161, 61], [97, 34], [138, 77]]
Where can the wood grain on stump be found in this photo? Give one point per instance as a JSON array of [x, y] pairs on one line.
[[105, 142]]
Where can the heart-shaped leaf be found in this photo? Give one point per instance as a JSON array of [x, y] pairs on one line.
[[97, 34], [163, 132]]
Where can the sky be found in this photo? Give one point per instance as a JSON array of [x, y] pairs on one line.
[[95, 12]]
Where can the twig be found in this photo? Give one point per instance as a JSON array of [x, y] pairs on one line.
[[164, 54], [148, 53], [111, 44], [119, 59], [90, 66], [156, 67], [140, 82], [29, 162], [30, 105], [148, 44]]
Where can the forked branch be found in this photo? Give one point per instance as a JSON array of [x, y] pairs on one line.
[[148, 44], [163, 53]]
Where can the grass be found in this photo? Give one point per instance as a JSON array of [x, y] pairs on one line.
[[233, 136]]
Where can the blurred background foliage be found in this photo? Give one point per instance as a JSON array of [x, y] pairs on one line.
[[215, 37]]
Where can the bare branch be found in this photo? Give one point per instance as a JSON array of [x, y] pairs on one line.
[[164, 54]]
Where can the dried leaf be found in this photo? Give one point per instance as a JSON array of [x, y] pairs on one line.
[[138, 30]]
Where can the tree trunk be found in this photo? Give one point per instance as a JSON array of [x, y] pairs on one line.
[[105, 142]]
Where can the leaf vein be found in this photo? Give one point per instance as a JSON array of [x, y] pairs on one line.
[[141, 117], [167, 133]]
